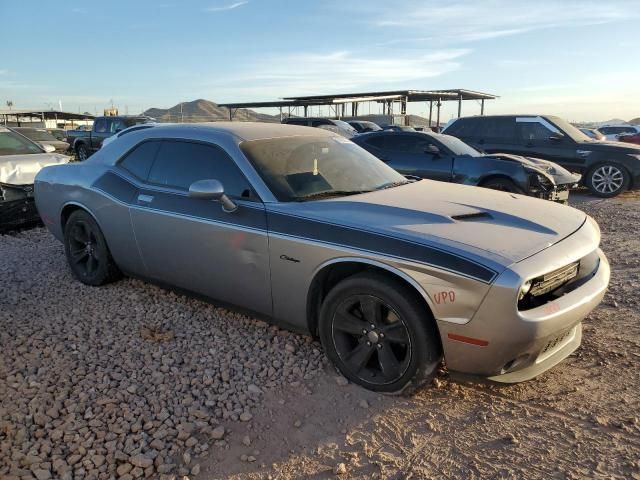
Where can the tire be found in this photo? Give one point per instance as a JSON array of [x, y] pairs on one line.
[[502, 184], [82, 152], [607, 180], [402, 350], [87, 251]]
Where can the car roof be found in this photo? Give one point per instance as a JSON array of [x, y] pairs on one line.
[[242, 130]]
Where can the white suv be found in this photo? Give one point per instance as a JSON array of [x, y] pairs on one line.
[[612, 132]]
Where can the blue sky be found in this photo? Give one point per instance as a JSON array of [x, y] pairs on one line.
[[577, 59]]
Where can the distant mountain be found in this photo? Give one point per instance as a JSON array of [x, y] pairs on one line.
[[205, 111], [635, 121]]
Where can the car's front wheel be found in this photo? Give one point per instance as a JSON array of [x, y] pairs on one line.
[[81, 152], [87, 252], [379, 334], [607, 180]]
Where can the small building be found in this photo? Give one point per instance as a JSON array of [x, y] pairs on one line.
[[44, 119]]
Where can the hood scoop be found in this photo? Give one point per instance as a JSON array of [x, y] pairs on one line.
[[469, 217]]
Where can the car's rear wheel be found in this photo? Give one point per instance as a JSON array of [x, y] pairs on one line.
[[607, 180], [87, 252], [81, 152], [379, 334], [502, 184]]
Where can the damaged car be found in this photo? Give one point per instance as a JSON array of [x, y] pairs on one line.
[[446, 158], [303, 227], [20, 160]]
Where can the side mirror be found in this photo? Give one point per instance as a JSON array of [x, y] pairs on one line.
[[432, 150], [48, 148], [556, 137], [212, 190]]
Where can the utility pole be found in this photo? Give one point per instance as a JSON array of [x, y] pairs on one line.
[[181, 113]]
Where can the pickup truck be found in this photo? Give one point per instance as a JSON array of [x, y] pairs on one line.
[[86, 142]]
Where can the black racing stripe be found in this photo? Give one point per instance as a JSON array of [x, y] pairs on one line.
[[117, 187], [315, 230], [372, 242], [206, 210]]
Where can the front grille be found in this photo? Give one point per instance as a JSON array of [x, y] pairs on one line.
[[552, 280]]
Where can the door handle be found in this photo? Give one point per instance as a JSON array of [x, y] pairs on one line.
[[145, 198]]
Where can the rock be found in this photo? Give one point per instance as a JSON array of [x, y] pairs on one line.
[[246, 440], [42, 474], [290, 348], [73, 459], [186, 458], [195, 470], [254, 389], [340, 469], [297, 424], [191, 441], [124, 468], [245, 416], [363, 404], [141, 461], [218, 432], [341, 381]]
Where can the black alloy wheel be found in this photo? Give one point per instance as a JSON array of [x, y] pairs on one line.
[[87, 252], [371, 339], [379, 334]]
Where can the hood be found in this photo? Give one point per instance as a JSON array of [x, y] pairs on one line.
[[495, 227], [610, 146], [22, 169], [560, 175]]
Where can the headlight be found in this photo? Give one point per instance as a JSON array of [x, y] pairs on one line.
[[540, 179], [635, 155], [524, 289]]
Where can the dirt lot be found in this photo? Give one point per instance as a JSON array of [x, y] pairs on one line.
[[131, 381]]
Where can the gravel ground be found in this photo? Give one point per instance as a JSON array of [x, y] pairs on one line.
[[131, 381]]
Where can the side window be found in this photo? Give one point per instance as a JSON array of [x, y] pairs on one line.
[[100, 125], [463, 127], [117, 125], [179, 164], [406, 143], [498, 129], [139, 160], [533, 131], [377, 142]]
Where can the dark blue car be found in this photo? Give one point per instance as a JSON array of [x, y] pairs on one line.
[[449, 159]]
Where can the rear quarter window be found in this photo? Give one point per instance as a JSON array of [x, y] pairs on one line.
[[138, 162]]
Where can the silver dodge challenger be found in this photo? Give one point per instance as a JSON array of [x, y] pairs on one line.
[[303, 227]]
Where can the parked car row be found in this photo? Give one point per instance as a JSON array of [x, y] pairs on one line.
[[20, 160], [607, 168]]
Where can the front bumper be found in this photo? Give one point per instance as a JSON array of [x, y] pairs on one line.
[[514, 346], [17, 207]]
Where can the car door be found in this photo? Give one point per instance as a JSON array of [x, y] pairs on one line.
[[100, 131], [408, 153], [192, 243], [496, 135], [542, 139]]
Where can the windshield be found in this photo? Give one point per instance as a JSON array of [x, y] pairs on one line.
[[37, 135], [309, 168], [13, 144], [345, 125], [569, 130], [457, 146]]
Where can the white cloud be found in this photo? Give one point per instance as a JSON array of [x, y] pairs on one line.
[[460, 21], [225, 8], [339, 71]]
